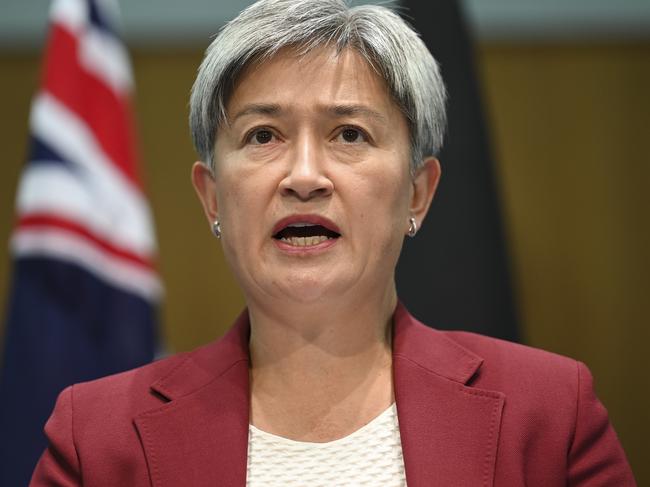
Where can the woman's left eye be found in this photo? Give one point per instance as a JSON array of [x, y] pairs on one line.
[[351, 135]]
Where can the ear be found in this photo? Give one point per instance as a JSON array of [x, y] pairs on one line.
[[425, 183], [205, 186]]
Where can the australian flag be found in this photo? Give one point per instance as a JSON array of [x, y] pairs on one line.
[[85, 286]]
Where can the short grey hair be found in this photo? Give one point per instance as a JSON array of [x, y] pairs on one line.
[[391, 47]]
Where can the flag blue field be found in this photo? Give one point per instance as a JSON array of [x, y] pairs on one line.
[[85, 288]]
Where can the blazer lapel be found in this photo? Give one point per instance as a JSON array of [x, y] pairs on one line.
[[449, 431], [200, 437]]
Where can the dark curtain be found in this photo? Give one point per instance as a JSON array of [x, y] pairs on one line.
[[455, 274]]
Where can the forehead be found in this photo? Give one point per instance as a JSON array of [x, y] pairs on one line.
[[316, 81]]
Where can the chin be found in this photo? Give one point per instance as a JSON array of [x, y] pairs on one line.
[[310, 289]]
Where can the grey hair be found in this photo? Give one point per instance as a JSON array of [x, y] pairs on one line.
[[388, 43]]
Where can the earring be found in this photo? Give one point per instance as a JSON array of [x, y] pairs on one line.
[[216, 229], [413, 227]]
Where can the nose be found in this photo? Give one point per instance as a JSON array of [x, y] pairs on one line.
[[305, 178]]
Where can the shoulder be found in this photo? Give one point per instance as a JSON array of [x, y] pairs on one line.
[[170, 378], [130, 389], [500, 354], [536, 385], [551, 411], [91, 427], [481, 361], [107, 406], [117, 399], [521, 370], [542, 390], [533, 382]]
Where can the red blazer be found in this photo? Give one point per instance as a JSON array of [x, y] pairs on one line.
[[473, 411]]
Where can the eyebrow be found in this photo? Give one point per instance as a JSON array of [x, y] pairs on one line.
[[270, 109], [355, 110]]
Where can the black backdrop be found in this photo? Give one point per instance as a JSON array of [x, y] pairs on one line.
[[455, 274]]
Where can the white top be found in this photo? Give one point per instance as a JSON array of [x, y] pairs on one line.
[[371, 456]]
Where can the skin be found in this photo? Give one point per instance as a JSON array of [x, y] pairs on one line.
[[320, 318]]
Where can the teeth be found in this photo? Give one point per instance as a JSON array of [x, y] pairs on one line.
[[304, 241]]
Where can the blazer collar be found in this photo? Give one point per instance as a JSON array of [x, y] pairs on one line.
[[207, 363], [449, 431]]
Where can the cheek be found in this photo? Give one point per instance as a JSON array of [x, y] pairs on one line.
[[237, 209], [386, 193], [239, 217], [243, 193], [381, 210]]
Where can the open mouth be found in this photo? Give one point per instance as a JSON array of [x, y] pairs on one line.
[[305, 234]]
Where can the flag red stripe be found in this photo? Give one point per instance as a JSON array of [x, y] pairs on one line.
[[47, 220], [105, 112]]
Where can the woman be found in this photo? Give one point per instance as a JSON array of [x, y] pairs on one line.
[[318, 126]]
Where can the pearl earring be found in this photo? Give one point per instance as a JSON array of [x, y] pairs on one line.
[[216, 229], [413, 227]]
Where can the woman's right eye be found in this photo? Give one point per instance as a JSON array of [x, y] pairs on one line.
[[260, 137]]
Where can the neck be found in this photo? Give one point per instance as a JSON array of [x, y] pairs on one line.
[[315, 365]]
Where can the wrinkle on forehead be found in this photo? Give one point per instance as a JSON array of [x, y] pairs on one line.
[[351, 89]]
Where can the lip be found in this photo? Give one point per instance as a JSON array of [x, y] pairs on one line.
[[311, 250], [312, 219]]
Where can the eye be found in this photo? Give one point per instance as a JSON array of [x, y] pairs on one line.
[[351, 135], [260, 137]]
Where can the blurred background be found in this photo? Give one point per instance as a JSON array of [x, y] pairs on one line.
[[564, 92]]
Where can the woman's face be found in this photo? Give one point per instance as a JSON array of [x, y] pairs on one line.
[[312, 186]]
